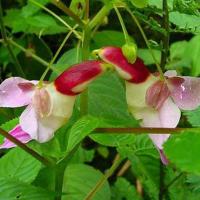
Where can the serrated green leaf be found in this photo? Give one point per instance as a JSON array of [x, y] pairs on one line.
[[193, 117], [146, 56], [11, 189], [183, 151], [80, 130], [113, 140], [19, 165], [108, 93], [145, 161], [82, 155], [9, 125], [139, 3], [80, 179], [40, 24], [185, 22], [193, 49], [122, 189], [31, 8], [108, 38], [66, 60]]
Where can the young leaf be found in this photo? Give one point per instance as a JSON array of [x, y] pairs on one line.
[[19, 165], [80, 130], [11, 189], [183, 151], [122, 189], [80, 179]]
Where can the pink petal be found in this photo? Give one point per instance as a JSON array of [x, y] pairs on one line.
[[157, 94], [28, 121], [186, 93], [167, 116], [15, 92], [19, 134], [40, 128], [163, 158]]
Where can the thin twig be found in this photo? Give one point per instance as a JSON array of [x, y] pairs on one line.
[[144, 130], [69, 12], [30, 151], [60, 171], [17, 65], [101, 182], [56, 55], [34, 56], [124, 168]]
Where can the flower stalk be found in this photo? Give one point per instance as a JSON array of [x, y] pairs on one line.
[[30, 151]]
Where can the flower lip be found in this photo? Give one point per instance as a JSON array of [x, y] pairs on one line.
[[77, 75], [136, 72]]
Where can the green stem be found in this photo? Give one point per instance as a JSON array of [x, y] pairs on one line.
[[99, 16], [37, 58], [172, 182], [57, 17], [165, 40], [55, 56], [87, 9], [144, 130], [30, 151], [126, 36], [85, 56], [17, 66], [162, 178], [60, 171], [104, 178], [147, 43], [59, 4]]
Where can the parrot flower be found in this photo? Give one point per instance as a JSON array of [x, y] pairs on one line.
[[154, 102], [48, 107]]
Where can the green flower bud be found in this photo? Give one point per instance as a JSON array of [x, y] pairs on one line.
[[130, 51]]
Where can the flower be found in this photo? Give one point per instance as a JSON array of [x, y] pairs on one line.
[[48, 107], [154, 102]]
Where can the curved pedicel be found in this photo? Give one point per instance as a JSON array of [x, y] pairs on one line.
[[78, 75], [137, 72]]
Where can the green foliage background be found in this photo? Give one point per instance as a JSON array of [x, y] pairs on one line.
[[37, 32]]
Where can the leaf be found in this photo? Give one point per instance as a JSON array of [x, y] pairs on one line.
[[82, 155], [145, 161], [80, 179], [11, 189], [194, 182], [183, 151], [113, 140], [108, 38], [122, 189], [80, 130], [31, 8], [9, 125], [40, 24], [19, 165], [186, 22], [107, 93], [146, 56], [65, 61], [139, 3], [193, 117], [193, 49]]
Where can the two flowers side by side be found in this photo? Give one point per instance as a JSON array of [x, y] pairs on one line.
[[154, 102]]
